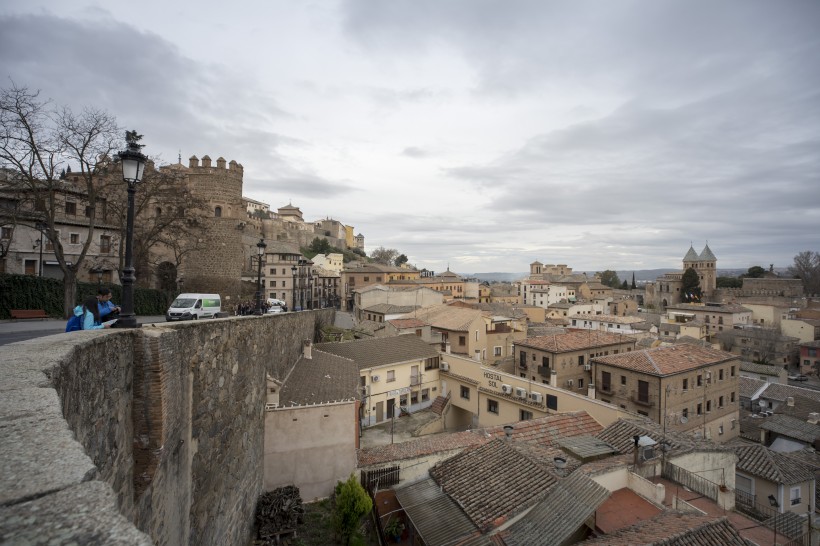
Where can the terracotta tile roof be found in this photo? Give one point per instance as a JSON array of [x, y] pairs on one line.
[[446, 317], [371, 353], [321, 379], [722, 308], [559, 514], [492, 482], [761, 369], [574, 340], [666, 360], [621, 433], [420, 447], [401, 324], [544, 431], [675, 529], [779, 391], [388, 308], [614, 319], [761, 461]]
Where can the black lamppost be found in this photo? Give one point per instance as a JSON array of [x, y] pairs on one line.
[[41, 227], [310, 289], [293, 289], [180, 283], [133, 167], [260, 254]]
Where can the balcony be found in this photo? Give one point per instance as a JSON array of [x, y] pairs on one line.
[[415, 380], [606, 389], [544, 371], [647, 400]]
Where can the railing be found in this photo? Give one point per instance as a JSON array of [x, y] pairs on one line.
[[769, 516], [415, 380], [544, 371], [691, 480], [380, 478]]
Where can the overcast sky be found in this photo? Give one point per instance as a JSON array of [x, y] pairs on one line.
[[476, 133]]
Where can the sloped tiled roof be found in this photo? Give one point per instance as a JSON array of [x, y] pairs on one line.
[[761, 461], [781, 391], [722, 308], [321, 379], [574, 340], [761, 369], [403, 323], [691, 255], [666, 360], [707, 255], [446, 317], [621, 433], [370, 353], [748, 386], [671, 528], [791, 427], [389, 308], [419, 447], [435, 516], [492, 482], [559, 514]]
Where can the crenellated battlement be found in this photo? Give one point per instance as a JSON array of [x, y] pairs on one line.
[[194, 163]]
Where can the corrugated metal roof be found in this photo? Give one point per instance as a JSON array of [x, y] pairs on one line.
[[435, 516]]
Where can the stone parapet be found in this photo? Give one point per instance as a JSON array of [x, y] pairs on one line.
[[147, 436]]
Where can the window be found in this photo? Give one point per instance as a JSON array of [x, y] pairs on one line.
[[465, 392], [720, 402], [367, 279], [685, 413], [524, 415], [720, 374], [5, 233], [218, 212], [403, 400], [418, 332], [492, 406], [700, 409], [425, 395], [794, 495], [30, 267], [71, 208], [497, 350], [414, 397], [732, 397], [720, 429], [643, 391], [580, 383], [700, 380], [685, 384], [606, 384], [623, 380], [391, 375], [462, 340], [105, 244], [580, 360], [708, 406], [74, 238], [732, 371], [40, 204]]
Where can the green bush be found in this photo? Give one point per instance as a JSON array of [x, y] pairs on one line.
[[30, 292]]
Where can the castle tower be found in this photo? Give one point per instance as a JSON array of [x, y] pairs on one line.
[[217, 265], [536, 269], [705, 265]]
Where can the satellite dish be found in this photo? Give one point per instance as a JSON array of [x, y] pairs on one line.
[[761, 403], [684, 420]]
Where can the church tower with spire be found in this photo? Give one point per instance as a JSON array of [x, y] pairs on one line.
[[705, 265]]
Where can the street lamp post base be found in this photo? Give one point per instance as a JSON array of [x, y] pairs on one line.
[[126, 322]]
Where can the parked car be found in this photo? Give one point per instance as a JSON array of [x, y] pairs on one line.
[[275, 309], [798, 377]]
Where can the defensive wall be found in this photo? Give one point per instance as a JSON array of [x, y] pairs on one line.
[[145, 436]]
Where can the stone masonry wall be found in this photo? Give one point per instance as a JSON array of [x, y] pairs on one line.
[[159, 429]]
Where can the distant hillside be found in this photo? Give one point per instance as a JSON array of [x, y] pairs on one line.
[[641, 275]]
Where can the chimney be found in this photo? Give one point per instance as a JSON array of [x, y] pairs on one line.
[[307, 345], [508, 430]]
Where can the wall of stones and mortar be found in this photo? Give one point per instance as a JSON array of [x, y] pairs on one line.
[[143, 436]]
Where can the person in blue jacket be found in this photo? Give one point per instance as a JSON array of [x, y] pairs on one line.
[[106, 307], [90, 312]]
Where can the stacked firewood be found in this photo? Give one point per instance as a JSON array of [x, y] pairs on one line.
[[277, 513]]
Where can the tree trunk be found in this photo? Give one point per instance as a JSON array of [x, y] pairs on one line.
[[69, 292]]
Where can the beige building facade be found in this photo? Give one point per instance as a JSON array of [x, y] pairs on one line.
[[684, 387]]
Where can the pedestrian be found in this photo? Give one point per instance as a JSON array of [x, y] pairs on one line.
[[104, 304], [89, 312]]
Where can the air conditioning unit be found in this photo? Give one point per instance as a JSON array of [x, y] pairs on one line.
[[506, 389], [536, 397], [520, 393], [445, 367], [569, 382], [375, 378], [587, 367]]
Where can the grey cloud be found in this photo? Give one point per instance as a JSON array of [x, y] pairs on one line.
[[415, 152]]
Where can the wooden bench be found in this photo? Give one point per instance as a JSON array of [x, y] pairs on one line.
[[29, 314]]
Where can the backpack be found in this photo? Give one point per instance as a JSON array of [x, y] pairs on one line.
[[75, 323]]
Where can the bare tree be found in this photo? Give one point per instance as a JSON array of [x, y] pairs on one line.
[[38, 141], [384, 256], [807, 268]]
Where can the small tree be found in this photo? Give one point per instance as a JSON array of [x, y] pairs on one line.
[[729, 282], [401, 260], [634, 286], [690, 286], [807, 268], [610, 278], [352, 503], [625, 285], [755, 272]]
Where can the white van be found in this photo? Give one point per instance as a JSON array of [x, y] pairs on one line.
[[194, 306]]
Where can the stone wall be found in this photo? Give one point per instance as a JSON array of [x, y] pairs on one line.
[[169, 418]]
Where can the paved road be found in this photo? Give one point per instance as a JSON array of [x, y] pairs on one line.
[[12, 331]]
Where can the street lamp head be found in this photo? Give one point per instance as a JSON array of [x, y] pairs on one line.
[[293, 270], [41, 226], [260, 247], [133, 163], [773, 501]]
